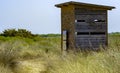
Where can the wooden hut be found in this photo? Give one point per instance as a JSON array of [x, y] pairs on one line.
[[83, 25]]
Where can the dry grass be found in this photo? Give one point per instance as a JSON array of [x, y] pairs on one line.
[[28, 56], [5, 69]]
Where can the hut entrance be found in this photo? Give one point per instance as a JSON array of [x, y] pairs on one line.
[[65, 39]]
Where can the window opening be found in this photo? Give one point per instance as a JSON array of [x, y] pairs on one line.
[[90, 33], [96, 20], [82, 33], [79, 20], [97, 33]]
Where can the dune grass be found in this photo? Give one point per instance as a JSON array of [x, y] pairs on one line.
[[43, 55]]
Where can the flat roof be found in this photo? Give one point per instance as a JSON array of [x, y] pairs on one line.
[[84, 5]]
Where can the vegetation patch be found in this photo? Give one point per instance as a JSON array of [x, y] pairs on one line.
[[42, 54]]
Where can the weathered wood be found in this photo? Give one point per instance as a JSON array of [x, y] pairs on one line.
[[93, 26], [86, 25], [85, 5], [91, 30], [87, 36], [81, 11], [90, 17], [83, 41], [67, 22]]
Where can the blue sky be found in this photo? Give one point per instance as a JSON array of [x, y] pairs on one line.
[[42, 17]]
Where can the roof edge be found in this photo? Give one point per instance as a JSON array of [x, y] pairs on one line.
[[84, 4]]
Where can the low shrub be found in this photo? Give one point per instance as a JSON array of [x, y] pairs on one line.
[[20, 32]]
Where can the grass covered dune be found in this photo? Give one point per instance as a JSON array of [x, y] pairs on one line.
[[42, 55]]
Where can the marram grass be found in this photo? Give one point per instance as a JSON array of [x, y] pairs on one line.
[[43, 55]]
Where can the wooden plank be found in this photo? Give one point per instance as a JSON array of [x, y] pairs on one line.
[[80, 36], [90, 43], [87, 11], [92, 36], [82, 28], [88, 17], [90, 30], [98, 39], [90, 39], [96, 24]]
